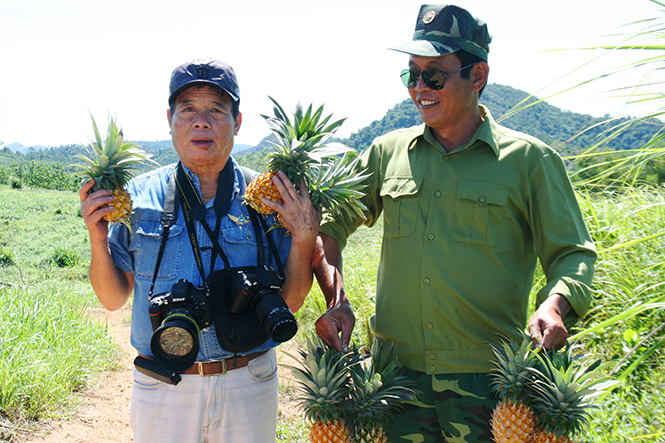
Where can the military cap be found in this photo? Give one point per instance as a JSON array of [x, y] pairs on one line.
[[443, 29]]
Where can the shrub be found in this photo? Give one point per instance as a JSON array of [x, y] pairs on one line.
[[6, 257], [64, 258]]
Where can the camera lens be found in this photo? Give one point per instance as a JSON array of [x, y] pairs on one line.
[[282, 329], [175, 343], [276, 317]]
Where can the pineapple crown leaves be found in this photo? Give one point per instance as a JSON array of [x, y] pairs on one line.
[[563, 388], [308, 131], [378, 389], [337, 188], [322, 379], [512, 377], [110, 162], [302, 142]]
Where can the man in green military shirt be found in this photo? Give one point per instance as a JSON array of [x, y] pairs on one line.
[[469, 207]]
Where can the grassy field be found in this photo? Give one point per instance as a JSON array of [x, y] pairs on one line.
[[49, 346]]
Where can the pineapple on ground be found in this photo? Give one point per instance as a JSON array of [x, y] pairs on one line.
[[301, 150], [322, 379], [111, 164], [377, 391], [562, 393], [513, 420]]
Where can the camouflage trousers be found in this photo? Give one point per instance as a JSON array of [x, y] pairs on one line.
[[452, 408]]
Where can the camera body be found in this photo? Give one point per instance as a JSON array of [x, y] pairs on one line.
[[184, 299], [256, 289], [177, 318], [249, 285]]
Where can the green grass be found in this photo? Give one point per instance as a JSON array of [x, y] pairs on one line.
[[49, 347]]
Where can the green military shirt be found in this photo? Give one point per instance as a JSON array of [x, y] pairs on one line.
[[462, 235]]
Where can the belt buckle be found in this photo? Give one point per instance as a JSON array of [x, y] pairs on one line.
[[202, 372]]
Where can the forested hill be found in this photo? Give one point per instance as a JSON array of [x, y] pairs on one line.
[[563, 130], [567, 132]]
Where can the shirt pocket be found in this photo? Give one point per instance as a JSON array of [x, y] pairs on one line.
[[238, 232], [476, 205], [145, 244], [400, 205]]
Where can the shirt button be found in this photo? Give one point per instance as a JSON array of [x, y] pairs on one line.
[[431, 236], [432, 356], [446, 157], [437, 193], [426, 280], [481, 199], [430, 325], [432, 368]]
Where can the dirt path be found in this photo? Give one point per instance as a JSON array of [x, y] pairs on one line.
[[103, 416]]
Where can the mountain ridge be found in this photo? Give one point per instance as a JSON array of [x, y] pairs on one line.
[[567, 132]]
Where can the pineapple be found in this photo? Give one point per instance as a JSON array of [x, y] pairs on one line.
[[377, 390], [110, 164], [322, 380], [561, 396], [301, 149], [513, 420]]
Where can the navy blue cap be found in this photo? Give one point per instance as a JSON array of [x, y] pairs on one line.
[[204, 71]]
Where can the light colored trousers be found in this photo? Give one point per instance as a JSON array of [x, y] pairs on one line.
[[239, 406]]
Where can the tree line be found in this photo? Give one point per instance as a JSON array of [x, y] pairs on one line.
[[571, 134]]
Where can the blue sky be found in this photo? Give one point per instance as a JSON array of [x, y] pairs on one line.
[[60, 59]]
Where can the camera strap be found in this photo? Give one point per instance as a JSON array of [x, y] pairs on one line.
[[181, 189], [168, 218]]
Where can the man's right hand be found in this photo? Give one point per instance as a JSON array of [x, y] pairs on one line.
[[94, 208], [338, 319]]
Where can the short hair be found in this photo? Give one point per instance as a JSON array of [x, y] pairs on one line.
[[235, 105], [467, 59]]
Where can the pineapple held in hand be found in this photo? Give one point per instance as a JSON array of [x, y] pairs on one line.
[[301, 149], [562, 393], [349, 396], [544, 396], [377, 391], [513, 420], [111, 165], [322, 379]]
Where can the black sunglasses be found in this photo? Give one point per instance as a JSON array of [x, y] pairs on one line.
[[433, 78]]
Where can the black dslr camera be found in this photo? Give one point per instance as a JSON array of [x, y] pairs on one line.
[[256, 289], [177, 317]]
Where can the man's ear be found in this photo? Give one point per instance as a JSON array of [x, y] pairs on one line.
[[479, 75], [238, 122]]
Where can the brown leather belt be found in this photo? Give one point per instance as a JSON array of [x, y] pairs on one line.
[[207, 368]]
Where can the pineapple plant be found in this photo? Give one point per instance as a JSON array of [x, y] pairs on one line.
[[377, 391], [562, 393], [301, 148], [513, 420], [111, 164], [322, 379]]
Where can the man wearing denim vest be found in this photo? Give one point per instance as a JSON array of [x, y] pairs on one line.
[[222, 396]]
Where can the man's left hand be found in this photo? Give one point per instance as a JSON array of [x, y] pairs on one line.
[[546, 324], [297, 211]]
